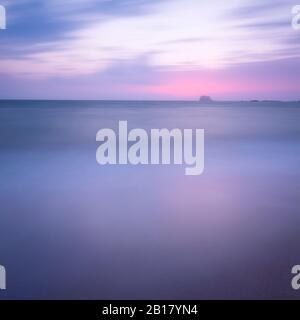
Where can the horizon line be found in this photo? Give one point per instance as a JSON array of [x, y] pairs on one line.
[[151, 100]]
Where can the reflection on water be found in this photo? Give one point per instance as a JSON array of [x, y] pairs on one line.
[[73, 229]]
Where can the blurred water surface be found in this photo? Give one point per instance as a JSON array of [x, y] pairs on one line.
[[71, 229]]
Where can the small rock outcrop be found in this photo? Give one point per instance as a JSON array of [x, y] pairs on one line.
[[205, 99]]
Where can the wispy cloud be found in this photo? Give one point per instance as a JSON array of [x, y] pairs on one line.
[[79, 38]]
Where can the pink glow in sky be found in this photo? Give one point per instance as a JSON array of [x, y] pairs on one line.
[[142, 49]]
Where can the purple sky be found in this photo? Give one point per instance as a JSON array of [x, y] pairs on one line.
[[142, 49]]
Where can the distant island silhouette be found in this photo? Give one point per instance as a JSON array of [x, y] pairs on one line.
[[205, 99], [209, 100]]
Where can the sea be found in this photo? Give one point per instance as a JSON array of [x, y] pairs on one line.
[[72, 229]]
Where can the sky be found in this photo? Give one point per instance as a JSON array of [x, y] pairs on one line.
[[149, 49]]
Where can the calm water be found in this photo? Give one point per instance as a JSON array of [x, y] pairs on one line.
[[70, 228]]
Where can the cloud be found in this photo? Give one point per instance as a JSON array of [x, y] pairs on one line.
[[171, 28], [140, 40]]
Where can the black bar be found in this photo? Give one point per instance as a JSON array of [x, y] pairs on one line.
[[92, 310]]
